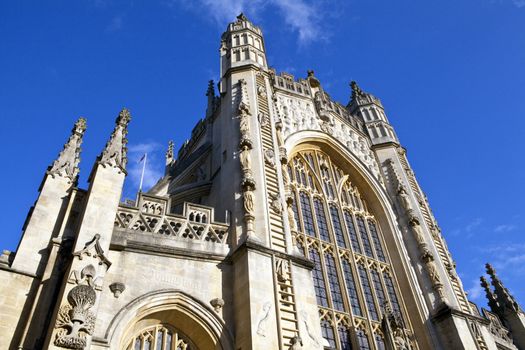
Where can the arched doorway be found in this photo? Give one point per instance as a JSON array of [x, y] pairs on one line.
[[168, 320]]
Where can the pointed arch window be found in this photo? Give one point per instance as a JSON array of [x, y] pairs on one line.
[[343, 239]]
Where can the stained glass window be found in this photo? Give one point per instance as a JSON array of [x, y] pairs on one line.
[[350, 287], [344, 338], [392, 294], [338, 230], [321, 220], [364, 236], [378, 287], [335, 288], [380, 342], [319, 285], [362, 340], [306, 210], [328, 333], [369, 298], [351, 232], [377, 242]]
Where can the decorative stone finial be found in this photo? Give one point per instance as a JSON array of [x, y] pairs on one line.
[[115, 152], [212, 100], [356, 90], [66, 165]]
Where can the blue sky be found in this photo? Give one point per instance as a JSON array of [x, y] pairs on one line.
[[451, 75]]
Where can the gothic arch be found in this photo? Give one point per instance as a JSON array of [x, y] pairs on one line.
[[188, 315], [378, 203]]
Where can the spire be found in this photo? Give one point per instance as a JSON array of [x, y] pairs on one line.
[[503, 296], [66, 165], [169, 153], [115, 152]]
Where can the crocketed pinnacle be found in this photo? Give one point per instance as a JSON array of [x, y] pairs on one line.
[[115, 152], [169, 153], [66, 165]]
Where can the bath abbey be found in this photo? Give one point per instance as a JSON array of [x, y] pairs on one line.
[[287, 220]]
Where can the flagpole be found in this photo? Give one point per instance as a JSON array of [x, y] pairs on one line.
[[143, 170]]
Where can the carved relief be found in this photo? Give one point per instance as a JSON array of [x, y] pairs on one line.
[[264, 120], [217, 304], [269, 157], [246, 161], [261, 325], [75, 320], [275, 203], [117, 288]]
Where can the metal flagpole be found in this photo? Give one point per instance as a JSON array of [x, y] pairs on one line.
[[143, 170]]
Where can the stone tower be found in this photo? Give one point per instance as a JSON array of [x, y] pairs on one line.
[[286, 221]]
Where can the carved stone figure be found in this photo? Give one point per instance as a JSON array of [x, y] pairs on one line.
[[248, 202], [417, 230], [217, 304], [275, 203], [264, 120], [269, 157], [404, 199], [246, 161]]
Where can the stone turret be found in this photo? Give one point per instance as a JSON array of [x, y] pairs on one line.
[[503, 304], [370, 109], [47, 213], [241, 45]]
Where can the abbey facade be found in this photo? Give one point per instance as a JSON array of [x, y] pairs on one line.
[[286, 221]]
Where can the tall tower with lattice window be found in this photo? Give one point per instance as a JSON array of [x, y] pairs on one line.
[[286, 221]]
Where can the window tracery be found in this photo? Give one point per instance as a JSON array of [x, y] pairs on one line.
[[159, 337], [352, 277]]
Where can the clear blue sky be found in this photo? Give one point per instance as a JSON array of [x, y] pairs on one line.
[[450, 73]]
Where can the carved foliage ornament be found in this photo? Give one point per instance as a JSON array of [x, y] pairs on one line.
[[75, 320]]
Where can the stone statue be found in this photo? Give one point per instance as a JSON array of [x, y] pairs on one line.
[[248, 202], [245, 158], [403, 197]]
